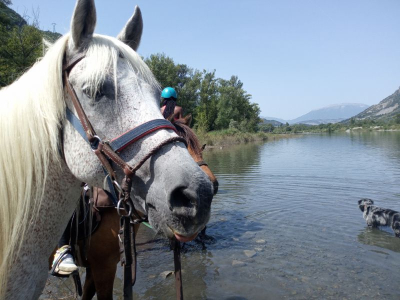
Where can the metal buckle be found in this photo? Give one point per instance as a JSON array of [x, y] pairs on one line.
[[128, 207], [118, 187], [95, 144]]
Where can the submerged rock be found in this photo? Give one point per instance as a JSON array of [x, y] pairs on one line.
[[238, 263], [250, 253], [248, 235], [165, 274]]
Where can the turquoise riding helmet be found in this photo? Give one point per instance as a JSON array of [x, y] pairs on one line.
[[169, 92]]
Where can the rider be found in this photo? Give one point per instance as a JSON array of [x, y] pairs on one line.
[[168, 104]]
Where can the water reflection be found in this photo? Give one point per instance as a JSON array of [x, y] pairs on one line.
[[234, 159], [379, 238], [386, 142]]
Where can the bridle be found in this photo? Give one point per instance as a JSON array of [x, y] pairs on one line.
[[108, 151], [201, 163], [108, 154]]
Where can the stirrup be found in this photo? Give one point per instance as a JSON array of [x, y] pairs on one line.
[[54, 269]]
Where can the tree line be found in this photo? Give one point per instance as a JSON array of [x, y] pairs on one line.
[[214, 103]]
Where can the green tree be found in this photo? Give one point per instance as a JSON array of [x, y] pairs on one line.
[[6, 2], [20, 47], [253, 114], [202, 122], [207, 101], [397, 119], [267, 127], [189, 92], [164, 69], [234, 104]]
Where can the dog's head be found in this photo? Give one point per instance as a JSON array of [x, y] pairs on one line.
[[396, 225], [364, 203]]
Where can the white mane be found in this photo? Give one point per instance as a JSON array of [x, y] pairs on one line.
[[31, 113]]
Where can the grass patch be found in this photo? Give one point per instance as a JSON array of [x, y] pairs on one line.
[[228, 137]]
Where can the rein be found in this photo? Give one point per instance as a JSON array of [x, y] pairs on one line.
[[107, 153], [201, 163]]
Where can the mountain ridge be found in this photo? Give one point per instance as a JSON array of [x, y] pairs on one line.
[[386, 109], [333, 113]]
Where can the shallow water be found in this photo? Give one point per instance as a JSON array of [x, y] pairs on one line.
[[294, 203]]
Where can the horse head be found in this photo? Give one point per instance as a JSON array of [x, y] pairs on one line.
[[118, 92]]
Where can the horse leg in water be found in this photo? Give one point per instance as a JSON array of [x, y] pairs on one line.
[[89, 289], [103, 257]]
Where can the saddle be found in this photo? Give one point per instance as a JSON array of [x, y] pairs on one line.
[[101, 200], [87, 217]]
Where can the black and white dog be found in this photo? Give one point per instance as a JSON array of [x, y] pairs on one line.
[[377, 216]]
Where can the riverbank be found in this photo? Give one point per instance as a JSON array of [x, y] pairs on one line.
[[223, 138], [337, 127], [228, 137]]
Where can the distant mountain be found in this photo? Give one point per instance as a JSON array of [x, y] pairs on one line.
[[272, 121], [386, 109], [330, 114]]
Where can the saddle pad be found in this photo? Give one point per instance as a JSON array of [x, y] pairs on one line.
[[102, 199]]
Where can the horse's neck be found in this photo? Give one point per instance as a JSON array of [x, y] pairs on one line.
[[61, 194]]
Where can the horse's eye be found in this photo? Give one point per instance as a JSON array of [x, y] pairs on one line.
[[98, 96], [89, 93]]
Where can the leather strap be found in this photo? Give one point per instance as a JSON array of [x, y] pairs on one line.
[[76, 123], [72, 61], [138, 132], [201, 163], [176, 247]]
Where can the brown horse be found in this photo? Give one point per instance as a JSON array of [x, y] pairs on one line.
[[103, 250]]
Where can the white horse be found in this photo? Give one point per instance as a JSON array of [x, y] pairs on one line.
[[39, 186]]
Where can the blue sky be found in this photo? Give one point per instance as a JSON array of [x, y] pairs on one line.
[[293, 56]]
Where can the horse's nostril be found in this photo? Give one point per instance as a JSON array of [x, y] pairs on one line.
[[181, 203]]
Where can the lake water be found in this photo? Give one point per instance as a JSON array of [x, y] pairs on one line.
[[294, 203]]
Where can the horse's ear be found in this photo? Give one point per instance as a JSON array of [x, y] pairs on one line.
[[83, 22], [171, 118], [203, 147], [188, 120], [132, 32]]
